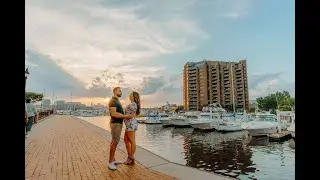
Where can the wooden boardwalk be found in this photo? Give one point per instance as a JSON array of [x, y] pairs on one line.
[[62, 147]]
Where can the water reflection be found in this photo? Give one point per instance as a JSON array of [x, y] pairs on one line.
[[219, 153], [233, 154]]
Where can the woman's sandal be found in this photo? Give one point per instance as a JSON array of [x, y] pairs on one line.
[[130, 161], [127, 162]]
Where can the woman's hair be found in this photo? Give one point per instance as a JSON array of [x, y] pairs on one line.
[[28, 100], [136, 99]]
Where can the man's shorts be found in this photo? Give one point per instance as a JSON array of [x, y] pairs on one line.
[[116, 131]]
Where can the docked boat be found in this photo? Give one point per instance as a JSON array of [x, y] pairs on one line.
[[142, 118], [229, 126], [184, 119], [292, 128], [209, 117], [263, 124], [156, 118]]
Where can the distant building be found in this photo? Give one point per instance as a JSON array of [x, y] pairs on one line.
[[46, 103], [62, 105], [209, 82]]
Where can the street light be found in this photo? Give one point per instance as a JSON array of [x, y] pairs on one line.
[[26, 74]]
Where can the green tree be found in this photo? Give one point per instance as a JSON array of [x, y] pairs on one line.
[[179, 108], [34, 96], [279, 100]]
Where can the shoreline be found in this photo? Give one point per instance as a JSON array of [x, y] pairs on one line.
[[155, 162]]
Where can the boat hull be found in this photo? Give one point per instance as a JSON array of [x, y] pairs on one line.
[[262, 131], [203, 125], [152, 121], [228, 128], [180, 122], [166, 122]]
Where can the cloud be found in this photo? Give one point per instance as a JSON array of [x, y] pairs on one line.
[[233, 9], [264, 84], [86, 37]]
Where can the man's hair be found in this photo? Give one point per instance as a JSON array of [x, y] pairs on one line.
[[115, 89]]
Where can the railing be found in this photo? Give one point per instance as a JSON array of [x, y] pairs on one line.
[[45, 113]]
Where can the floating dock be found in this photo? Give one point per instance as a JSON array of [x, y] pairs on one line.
[[280, 137]]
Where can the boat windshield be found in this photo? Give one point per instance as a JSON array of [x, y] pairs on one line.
[[205, 116], [268, 118], [163, 115]]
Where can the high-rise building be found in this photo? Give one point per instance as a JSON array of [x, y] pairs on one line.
[[208, 82]]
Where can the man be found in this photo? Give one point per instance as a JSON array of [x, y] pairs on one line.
[[117, 116], [31, 112]]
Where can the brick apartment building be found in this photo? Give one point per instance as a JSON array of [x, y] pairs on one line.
[[208, 82]]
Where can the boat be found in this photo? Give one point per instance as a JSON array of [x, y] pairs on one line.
[[156, 118], [209, 117], [229, 126], [263, 124], [142, 118], [285, 118], [292, 128], [184, 119]]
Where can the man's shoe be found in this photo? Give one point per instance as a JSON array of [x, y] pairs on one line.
[[112, 166]]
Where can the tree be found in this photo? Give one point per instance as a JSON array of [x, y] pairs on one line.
[[280, 100], [179, 108], [34, 96]]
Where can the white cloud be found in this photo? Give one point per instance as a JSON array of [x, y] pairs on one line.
[[264, 84], [234, 8], [86, 37]]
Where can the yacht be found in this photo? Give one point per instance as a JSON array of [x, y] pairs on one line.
[[285, 118], [292, 128], [229, 126], [209, 117], [184, 119], [262, 124], [142, 118], [156, 118], [230, 123]]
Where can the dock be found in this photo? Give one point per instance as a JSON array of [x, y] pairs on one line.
[[280, 137], [65, 147]]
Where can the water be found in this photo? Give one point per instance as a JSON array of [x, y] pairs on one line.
[[230, 154]]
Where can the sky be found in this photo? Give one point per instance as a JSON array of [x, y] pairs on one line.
[[81, 49]]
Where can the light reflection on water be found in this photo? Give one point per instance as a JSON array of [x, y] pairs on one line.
[[228, 154]]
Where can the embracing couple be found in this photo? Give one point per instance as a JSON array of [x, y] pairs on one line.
[[118, 115]]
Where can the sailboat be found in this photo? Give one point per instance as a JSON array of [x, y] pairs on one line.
[[230, 124]]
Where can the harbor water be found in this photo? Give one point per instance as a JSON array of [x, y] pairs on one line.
[[230, 154]]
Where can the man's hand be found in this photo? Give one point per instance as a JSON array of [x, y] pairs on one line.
[[130, 116]]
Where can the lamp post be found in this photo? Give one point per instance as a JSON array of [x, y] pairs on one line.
[[26, 74]]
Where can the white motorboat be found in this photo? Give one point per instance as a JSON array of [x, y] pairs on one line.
[[141, 119], [157, 118], [285, 118], [292, 127], [263, 124], [184, 120], [229, 126], [209, 117]]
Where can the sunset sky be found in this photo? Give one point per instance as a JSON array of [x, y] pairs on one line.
[[87, 47]]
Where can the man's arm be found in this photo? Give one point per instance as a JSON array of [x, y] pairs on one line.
[[115, 114]]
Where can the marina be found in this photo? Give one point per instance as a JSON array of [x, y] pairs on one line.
[[233, 154]]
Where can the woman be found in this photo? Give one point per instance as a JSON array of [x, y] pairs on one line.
[[131, 126], [31, 112]]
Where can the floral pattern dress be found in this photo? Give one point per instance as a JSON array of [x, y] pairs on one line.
[[131, 124]]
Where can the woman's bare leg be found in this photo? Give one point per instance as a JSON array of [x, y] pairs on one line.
[[127, 143], [132, 138]]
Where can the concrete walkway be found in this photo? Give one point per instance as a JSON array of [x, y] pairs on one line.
[[64, 147]]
